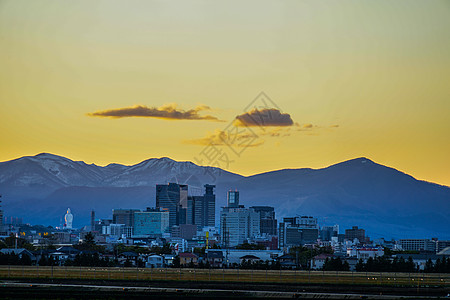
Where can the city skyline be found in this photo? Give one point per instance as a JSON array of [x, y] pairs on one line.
[[109, 82], [231, 149], [38, 188]]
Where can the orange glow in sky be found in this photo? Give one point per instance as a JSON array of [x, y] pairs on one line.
[[357, 78]]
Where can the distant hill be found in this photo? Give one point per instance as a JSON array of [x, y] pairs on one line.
[[359, 192]]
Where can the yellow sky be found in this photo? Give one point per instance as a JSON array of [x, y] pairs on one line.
[[378, 69]]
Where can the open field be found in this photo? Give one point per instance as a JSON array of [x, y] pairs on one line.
[[227, 275], [111, 290]]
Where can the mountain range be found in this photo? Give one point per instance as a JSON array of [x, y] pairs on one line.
[[358, 192]]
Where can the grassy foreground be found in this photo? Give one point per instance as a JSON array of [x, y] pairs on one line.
[[227, 275]]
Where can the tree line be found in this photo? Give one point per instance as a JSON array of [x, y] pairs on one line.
[[441, 266]]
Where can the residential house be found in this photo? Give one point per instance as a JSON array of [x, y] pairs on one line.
[[215, 258], [154, 261], [287, 261], [20, 253], [365, 252], [187, 258], [249, 259], [130, 256], [168, 259], [318, 261]]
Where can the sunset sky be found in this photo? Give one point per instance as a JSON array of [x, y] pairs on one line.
[[124, 81]]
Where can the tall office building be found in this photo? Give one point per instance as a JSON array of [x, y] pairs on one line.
[[295, 231], [268, 223], [92, 220], [1, 216], [173, 197], [233, 198], [201, 210], [238, 224], [151, 222], [209, 210], [355, 233], [327, 232], [99, 224], [124, 216]]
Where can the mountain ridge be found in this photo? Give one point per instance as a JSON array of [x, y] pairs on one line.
[[165, 158], [358, 191]]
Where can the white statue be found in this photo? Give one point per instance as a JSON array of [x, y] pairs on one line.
[[69, 219]]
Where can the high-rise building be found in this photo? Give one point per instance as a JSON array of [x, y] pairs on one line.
[[184, 231], [151, 222], [327, 232], [233, 199], [115, 230], [355, 233], [238, 224], [124, 216], [306, 222], [174, 198], [201, 210], [99, 224], [268, 223], [92, 220], [1, 216], [417, 245], [295, 231], [209, 207]]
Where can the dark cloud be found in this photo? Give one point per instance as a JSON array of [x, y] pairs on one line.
[[168, 112], [264, 117]]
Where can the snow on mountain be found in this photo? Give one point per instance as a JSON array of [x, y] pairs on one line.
[[44, 173], [47, 172], [164, 170], [355, 192]]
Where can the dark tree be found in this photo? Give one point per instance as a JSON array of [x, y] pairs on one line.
[[360, 266], [429, 266], [176, 262], [335, 264], [127, 263]]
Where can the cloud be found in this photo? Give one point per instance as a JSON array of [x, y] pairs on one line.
[[237, 136], [233, 138], [276, 132], [264, 117], [306, 127], [167, 112]]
